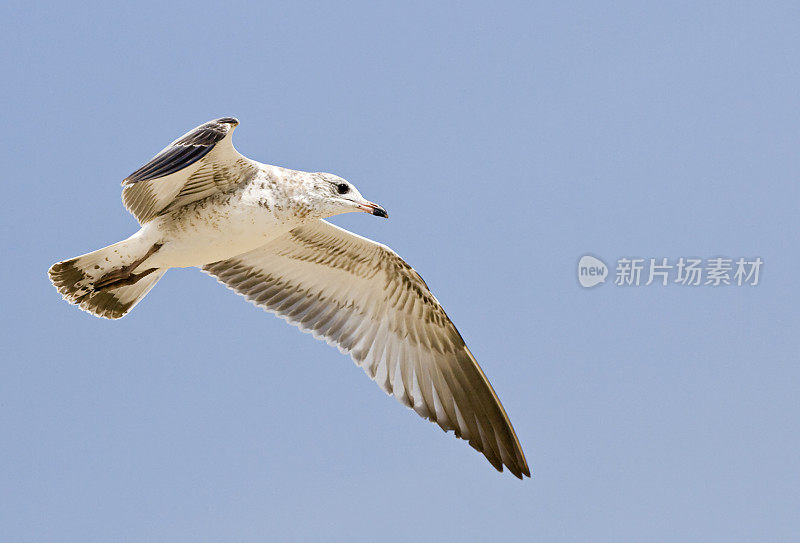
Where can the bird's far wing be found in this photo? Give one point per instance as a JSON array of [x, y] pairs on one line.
[[362, 297], [200, 163]]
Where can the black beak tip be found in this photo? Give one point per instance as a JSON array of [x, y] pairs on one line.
[[380, 212]]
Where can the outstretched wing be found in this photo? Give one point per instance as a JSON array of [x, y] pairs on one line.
[[362, 297], [200, 163]]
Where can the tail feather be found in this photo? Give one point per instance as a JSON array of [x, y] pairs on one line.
[[75, 279]]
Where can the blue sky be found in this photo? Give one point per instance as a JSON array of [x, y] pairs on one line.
[[505, 142]]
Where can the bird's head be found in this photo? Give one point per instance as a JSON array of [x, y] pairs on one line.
[[335, 196]]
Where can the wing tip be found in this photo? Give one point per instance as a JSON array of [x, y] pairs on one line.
[[184, 151], [518, 469], [523, 472], [233, 121], [519, 466]]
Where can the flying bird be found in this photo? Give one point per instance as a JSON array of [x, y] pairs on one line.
[[259, 230]]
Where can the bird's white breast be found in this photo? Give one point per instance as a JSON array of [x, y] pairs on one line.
[[218, 228]]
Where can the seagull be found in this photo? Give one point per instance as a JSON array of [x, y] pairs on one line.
[[259, 230]]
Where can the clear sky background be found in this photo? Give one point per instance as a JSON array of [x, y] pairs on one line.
[[505, 142]]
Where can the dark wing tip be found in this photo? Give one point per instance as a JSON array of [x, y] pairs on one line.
[[209, 133], [520, 464], [185, 151], [233, 121], [520, 471], [517, 466]]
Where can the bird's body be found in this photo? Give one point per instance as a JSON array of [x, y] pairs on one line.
[[259, 230], [220, 226]]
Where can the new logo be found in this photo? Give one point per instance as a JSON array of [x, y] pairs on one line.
[[591, 271]]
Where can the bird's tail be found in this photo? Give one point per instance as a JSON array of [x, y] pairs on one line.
[[110, 281]]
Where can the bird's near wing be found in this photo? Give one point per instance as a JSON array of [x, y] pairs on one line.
[[200, 163], [363, 298]]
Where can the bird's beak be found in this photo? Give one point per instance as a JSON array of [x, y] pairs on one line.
[[373, 209]]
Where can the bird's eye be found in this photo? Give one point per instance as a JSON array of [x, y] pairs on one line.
[[342, 188]]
